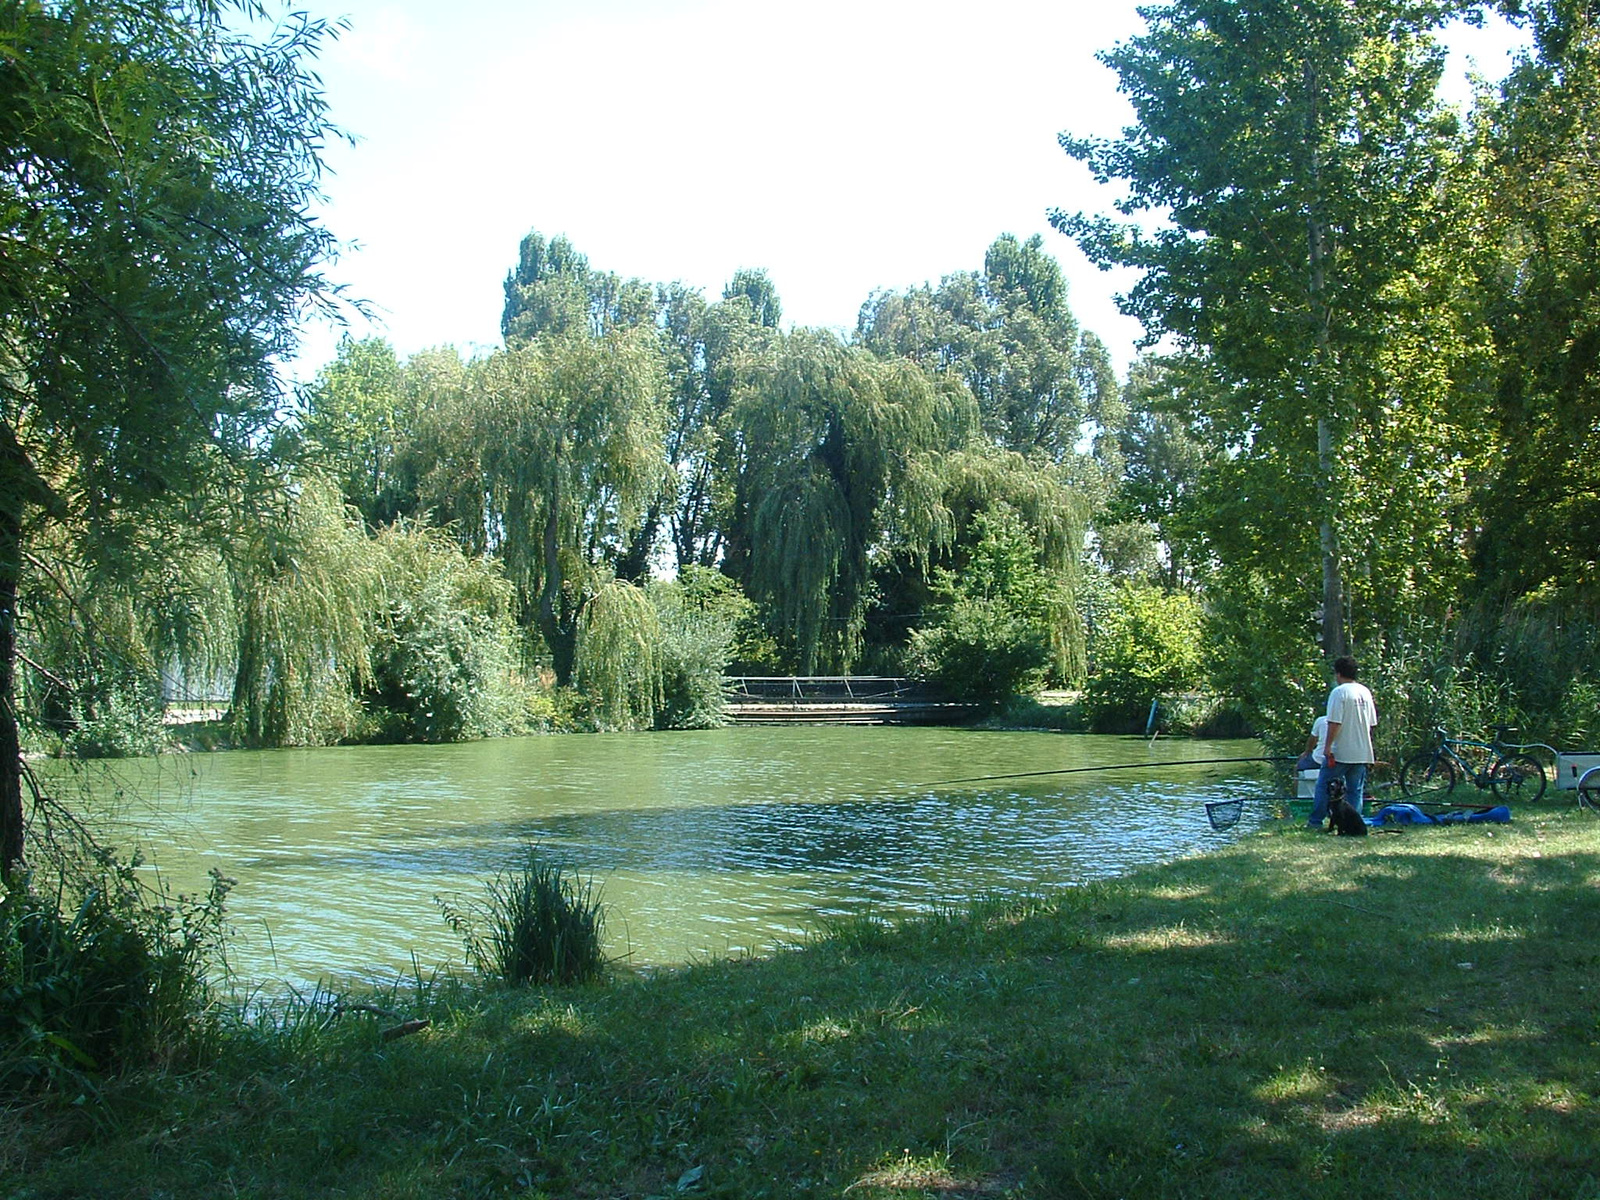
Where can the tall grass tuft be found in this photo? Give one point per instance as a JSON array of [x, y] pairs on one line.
[[538, 924]]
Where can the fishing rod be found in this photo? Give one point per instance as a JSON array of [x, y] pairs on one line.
[[1182, 762]]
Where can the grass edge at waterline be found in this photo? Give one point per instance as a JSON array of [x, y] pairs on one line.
[[1411, 1014]]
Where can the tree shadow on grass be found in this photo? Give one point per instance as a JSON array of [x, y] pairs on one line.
[[1403, 1018]]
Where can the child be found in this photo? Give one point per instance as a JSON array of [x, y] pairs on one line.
[[1316, 751]]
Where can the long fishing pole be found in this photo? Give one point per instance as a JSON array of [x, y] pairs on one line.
[[1182, 762]]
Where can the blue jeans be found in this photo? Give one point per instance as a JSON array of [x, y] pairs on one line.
[[1354, 778]]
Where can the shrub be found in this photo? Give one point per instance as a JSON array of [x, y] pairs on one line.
[[544, 925], [1148, 645], [982, 652], [700, 617], [120, 722], [619, 657], [442, 650], [103, 974], [1003, 622]]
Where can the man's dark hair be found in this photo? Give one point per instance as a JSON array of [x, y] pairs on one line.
[[1346, 667]]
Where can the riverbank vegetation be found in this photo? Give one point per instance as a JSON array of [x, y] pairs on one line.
[[644, 487], [1410, 1014], [1365, 422]]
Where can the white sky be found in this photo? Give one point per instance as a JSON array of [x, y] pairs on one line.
[[841, 145]]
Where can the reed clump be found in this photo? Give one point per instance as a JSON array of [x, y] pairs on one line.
[[539, 923]]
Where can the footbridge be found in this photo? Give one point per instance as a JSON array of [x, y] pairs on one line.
[[839, 700]]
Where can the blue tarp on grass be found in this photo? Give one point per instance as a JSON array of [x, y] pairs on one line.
[[1410, 814]]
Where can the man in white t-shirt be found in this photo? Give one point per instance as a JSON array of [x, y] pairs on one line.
[[1352, 716]]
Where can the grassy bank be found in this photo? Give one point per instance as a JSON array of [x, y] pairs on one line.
[[1411, 1014]]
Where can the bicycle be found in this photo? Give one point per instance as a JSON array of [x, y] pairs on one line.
[[1505, 769], [1589, 790]]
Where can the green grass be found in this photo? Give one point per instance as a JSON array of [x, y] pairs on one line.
[[1412, 1014]]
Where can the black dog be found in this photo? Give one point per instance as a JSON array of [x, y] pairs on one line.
[[1344, 819]]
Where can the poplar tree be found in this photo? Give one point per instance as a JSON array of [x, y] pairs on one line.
[[1292, 179], [1540, 266], [1009, 335]]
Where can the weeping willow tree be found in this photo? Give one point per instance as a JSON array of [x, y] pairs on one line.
[[157, 165], [618, 656], [826, 433], [571, 429], [305, 583], [106, 642], [279, 596], [948, 504]]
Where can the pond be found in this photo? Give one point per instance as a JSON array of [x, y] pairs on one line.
[[702, 843]]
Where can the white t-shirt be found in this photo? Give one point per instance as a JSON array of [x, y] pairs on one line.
[[1319, 730], [1352, 707]]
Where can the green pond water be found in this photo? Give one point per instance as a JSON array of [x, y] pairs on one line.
[[702, 843]]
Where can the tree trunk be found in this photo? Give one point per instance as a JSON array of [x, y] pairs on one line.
[[1333, 643], [11, 502], [634, 566], [557, 631], [11, 822], [1322, 391]]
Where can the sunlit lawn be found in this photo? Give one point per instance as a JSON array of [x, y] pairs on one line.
[[1411, 1014]]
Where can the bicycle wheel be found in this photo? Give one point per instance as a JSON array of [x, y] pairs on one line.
[[1427, 775], [1517, 779], [1589, 790]]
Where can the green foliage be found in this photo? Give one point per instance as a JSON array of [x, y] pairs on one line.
[[619, 666], [103, 640], [159, 162], [122, 719], [554, 290], [158, 170], [100, 696], [1148, 645], [1530, 664], [982, 651], [700, 617], [1317, 223], [1162, 465], [1540, 253], [306, 582], [828, 432], [999, 624], [571, 434], [357, 420], [1007, 334], [443, 654], [101, 975], [544, 925], [947, 503]]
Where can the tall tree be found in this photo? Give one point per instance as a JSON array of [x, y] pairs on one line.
[[1541, 272], [703, 346], [553, 289], [156, 171], [1008, 334], [1163, 462], [570, 429], [824, 434], [357, 423], [1300, 172]]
